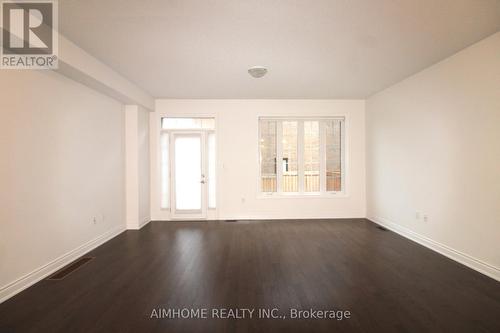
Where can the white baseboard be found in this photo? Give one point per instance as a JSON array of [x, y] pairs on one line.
[[132, 224], [145, 220], [254, 218], [40, 273], [260, 218], [465, 259], [137, 225]]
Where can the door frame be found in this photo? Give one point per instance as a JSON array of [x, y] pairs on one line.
[[202, 214], [164, 213]]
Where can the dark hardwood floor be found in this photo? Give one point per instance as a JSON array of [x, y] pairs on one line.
[[386, 282]]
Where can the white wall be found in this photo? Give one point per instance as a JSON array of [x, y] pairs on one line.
[[237, 155], [433, 146], [132, 166], [62, 164], [144, 165], [137, 166]]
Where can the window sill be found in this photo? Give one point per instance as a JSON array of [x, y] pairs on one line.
[[330, 195]]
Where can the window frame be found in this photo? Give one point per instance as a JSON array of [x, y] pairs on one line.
[[323, 193]]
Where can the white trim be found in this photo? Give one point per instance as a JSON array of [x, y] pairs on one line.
[[42, 272], [460, 257], [264, 218]]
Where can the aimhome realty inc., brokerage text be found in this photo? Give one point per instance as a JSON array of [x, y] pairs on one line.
[[248, 313]]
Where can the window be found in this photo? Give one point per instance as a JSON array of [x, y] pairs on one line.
[[309, 152]]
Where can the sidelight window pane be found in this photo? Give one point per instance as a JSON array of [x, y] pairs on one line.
[[211, 171], [267, 142], [289, 143], [311, 156], [333, 155], [165, 172]]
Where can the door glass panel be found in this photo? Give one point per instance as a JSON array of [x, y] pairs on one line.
[[188, 173]]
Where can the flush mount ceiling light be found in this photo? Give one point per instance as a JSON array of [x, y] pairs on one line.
[[257, 71]]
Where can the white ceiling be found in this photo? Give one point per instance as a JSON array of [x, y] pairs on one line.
[[313, 48]]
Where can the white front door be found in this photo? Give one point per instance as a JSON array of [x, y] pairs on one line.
[[189, 175]]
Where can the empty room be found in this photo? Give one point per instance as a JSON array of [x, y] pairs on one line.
[[249, 166]]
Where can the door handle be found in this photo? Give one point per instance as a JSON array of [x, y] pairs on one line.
[[202, 181]]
